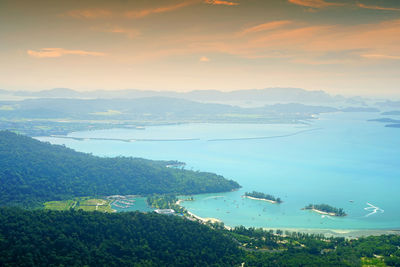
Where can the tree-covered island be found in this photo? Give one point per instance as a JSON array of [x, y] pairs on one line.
[[326, 209], [263, 196]]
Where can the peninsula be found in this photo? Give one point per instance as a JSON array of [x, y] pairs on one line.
[[262, 196], [53, 172], [325, 209]]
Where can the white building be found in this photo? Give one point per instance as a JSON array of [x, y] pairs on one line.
[[165, 211]]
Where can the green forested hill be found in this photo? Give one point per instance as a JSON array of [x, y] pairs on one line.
[[77, 238], [32, 172]]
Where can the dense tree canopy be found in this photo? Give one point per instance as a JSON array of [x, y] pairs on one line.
[[77, 238], [32, 172]]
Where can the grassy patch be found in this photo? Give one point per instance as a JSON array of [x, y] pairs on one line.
[[59, 205], [367, 262], [83, 203]]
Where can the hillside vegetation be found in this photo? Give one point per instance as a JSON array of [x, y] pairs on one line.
[[78, 238], [33, 172]]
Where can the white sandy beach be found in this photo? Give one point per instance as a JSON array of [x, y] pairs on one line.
[[262, 199], [323, 212], [201, 219], [346, 233], [204, 220]]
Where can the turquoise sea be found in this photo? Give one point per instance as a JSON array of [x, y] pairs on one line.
[[139, 204], [339, 159]]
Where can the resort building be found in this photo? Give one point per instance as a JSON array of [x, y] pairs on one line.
[[165, 211]]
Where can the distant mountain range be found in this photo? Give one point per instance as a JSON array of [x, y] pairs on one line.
[[252, 97], [62, 110], [161, 109]]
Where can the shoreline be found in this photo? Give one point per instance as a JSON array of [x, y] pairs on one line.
[[346, 233], [201, 219], [208, 220], [262, 199], [324, 212], [204, 220]]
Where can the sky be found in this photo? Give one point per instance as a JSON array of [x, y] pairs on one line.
[[342, 47]]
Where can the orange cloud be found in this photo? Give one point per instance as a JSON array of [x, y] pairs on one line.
[[306, 44], [59, 52], [104, 13], [266, 26], [314, 3], [204, 59], [380, 38], [130, 33], [221, 2], [291, 38], [89, 13], [293, 41], [380, 56], [146, 12], [378, 7]]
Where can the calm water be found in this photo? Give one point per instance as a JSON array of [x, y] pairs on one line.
[[140, 204], [335, 159]]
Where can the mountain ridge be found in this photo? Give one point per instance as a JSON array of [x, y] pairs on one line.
[[272, 94]]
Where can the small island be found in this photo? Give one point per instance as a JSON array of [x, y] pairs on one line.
[[326, 210], [262, 196]]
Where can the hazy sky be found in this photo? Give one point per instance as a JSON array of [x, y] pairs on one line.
[[347, 47]]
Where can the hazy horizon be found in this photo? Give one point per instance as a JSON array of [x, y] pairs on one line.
[[341, 47], [376, 96]]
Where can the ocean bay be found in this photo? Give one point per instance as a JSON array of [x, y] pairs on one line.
[[340, 159]]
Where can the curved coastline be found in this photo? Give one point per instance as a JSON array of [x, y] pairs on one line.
[[201, 219], [124, 140], [204, 220], [288, 206], [325, 209], [263, 137], [346, 233], [324, 212], [262, 199]]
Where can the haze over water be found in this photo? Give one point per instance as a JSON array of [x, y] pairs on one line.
[[334, 159]]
